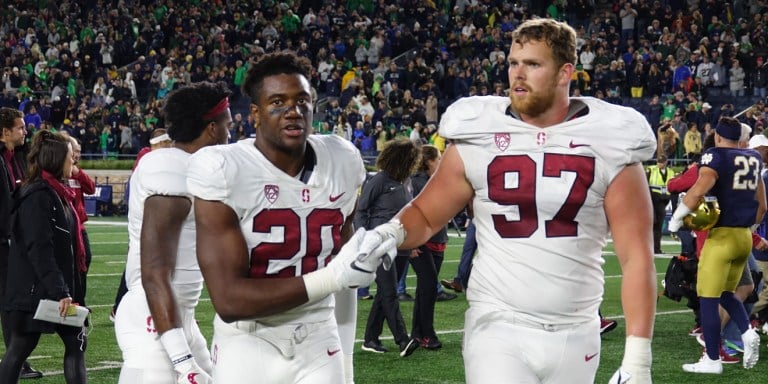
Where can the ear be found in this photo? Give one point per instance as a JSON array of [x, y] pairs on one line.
[[210, 129], [254, 109], [565, 73]]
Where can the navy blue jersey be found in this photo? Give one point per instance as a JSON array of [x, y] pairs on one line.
[[738, 171]]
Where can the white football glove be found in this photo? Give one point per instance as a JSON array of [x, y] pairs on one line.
[[620, 377], [372, 245], [676, 221], [674, 225], [636, 366], [188, 371], [392, 229], [352, 267]]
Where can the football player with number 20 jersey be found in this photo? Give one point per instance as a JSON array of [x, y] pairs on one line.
[[548, 177], [271, 213]]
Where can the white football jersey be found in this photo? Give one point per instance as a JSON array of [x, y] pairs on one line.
[[163, 172], [538, 202], [291, 228]]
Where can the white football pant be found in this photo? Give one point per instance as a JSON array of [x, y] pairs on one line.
[[144, 358], [500, 347]]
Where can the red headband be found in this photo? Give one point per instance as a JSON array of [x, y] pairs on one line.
[[217, 109]]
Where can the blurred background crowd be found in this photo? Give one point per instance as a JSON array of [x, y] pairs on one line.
[[100, 69]]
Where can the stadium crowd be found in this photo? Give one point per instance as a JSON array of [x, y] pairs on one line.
[[100, 69]]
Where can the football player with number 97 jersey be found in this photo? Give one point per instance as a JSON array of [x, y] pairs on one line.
[[548, 177]]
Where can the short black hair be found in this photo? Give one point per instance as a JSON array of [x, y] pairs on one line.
[[277, 63], [185, 107], [8, 117]]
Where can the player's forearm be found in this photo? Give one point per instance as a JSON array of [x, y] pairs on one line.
[[638, 296], [692, 198], [162, 302], [417, 228], [236, 299]]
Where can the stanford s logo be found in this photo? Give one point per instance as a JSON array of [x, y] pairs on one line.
[[271, 192], [502, 141], [305, 195]]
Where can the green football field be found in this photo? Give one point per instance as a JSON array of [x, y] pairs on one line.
[[671, 347]]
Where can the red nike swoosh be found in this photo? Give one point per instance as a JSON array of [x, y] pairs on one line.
[[572, 145], [590, 357], [334, 198], [191, 378], [331, 353]]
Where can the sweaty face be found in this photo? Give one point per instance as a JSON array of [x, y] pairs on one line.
[[532, 78], [284, 113]]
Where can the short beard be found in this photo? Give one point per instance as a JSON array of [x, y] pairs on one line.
[[535, 103]]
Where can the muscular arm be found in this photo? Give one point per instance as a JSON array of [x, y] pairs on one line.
[[633, 242], [160, 231], [223, 256], [705, 182], [446, 193]]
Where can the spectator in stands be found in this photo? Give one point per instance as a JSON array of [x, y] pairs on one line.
[[736, 77], [395, 99], [653, 111], [760, 78], [32, 118], [667, 139], [587, 57], [365, 107], [692, 141], [91, 139], [627, 16]]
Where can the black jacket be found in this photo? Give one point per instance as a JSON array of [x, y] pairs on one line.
[[42, 263], [381, 198], [419, 180], [7, 186]]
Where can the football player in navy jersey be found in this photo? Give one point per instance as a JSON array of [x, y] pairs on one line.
[[732, 175]]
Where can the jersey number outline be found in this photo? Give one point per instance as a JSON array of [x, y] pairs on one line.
[[745, 165], [287, 219], [563, 223]]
